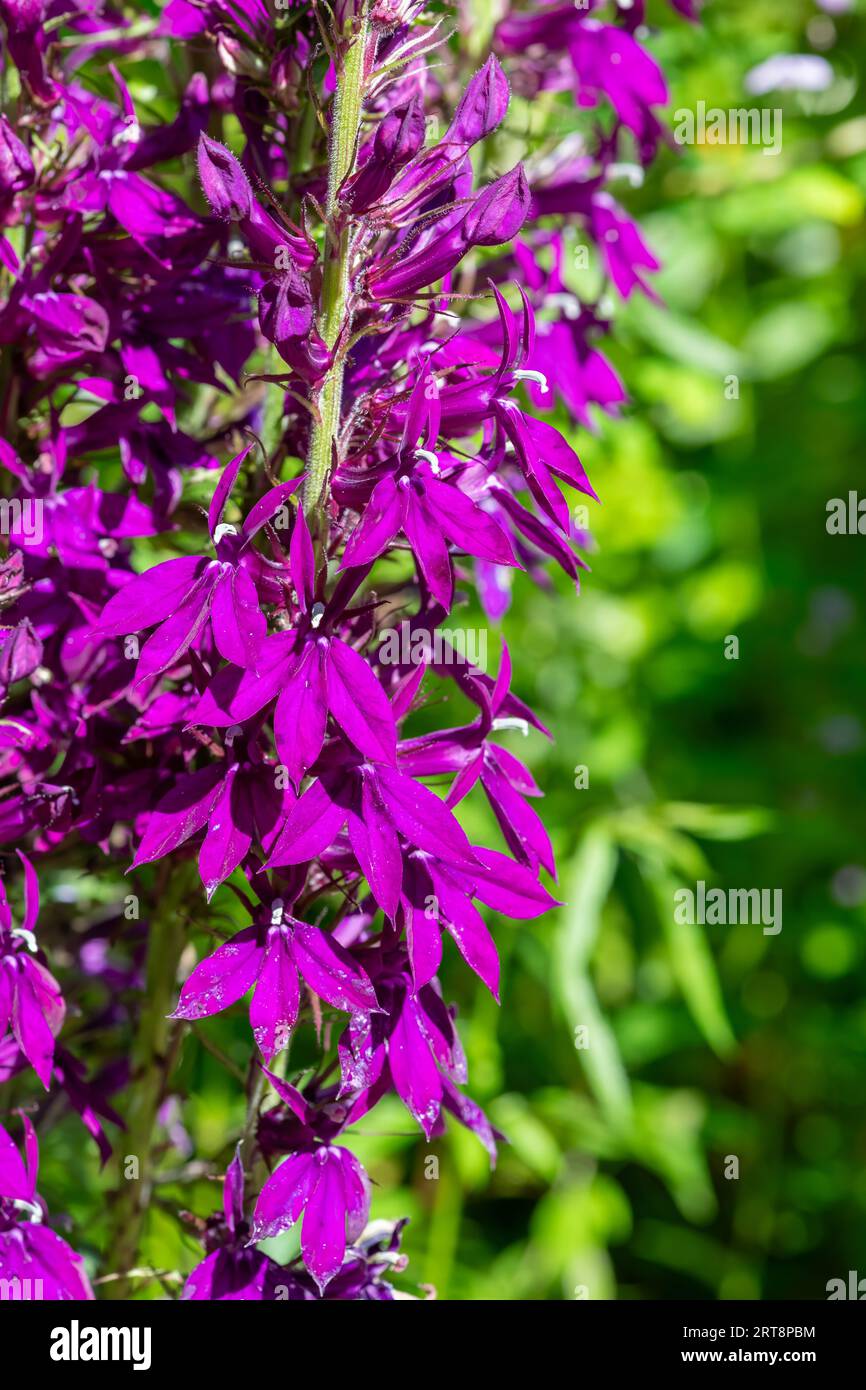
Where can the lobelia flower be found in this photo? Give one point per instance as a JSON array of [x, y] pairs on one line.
[[262, 727], [182, 595], [496, 214], [286, 306], [30, 999], [30, 1252], [271, 959], [413, 497], [321, 1182], [231, 1271]]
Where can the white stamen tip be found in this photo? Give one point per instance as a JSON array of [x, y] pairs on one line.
[[512, 722], [525, 374], [224, 529]]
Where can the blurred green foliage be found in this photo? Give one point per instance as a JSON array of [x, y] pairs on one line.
[[705, 1042]]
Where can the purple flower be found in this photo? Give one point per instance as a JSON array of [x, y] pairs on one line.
[[272, 960], [30, 1252], [231, 1271], [30, 999], [182, 595], [236, 702], [328, 1188]]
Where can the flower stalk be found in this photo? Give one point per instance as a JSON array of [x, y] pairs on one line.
[[348, 101], [151, 1063]]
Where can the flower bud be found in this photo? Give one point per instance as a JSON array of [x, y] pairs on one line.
[[225, 184]]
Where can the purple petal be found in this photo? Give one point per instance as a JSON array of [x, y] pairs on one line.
[[301, 714], [430, 549], [312, 824], [357, 1186], [330, 971], [424, 942], [284, 1196], [223, 489], [267, 507], [238, 623], [182, 813], [274, 1008], [323, 1239], [303, 562], [415, 1074], [229, 834], [233, 1191], [382, 519], [31, 893], [14, 1182], [151, 597], [221, 979], [509, 888], [424, 819], [376, 847], [30, 1025], [468, 929], [359, 704]]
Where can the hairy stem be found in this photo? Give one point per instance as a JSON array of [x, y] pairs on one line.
[[335, 278], [151, 1062]]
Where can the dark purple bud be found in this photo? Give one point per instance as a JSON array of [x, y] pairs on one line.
[[399, 137], [499, 211], [16, 166], [285, 309], [401, 133], [286, 319], [20, 653], [225, 184]]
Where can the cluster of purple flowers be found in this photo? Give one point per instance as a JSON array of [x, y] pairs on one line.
[[372, 369]]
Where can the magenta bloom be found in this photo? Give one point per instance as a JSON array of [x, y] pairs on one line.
[[30, 999], [269, 409], [30, 1252], [270, 961], [330, 1190]]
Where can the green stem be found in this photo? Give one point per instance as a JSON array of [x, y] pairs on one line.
[[348, 101], [151, 1062]]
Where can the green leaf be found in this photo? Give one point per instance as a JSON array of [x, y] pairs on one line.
[[692, 963], [587, 887]]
